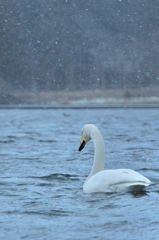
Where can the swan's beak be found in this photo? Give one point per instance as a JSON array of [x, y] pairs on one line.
[[82, 144]]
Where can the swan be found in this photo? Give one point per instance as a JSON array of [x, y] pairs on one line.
[[100, 180]]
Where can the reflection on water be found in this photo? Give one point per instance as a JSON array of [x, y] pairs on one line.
[[42, 174]]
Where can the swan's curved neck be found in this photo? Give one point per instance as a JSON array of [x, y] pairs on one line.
[[99, 155]]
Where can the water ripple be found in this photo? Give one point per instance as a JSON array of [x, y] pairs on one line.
[[41, 176], [59, 176], [53, 212]]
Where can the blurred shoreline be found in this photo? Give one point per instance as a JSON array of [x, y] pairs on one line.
[[129, 96]]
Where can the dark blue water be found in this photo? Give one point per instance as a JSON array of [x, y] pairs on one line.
[[42, 173]]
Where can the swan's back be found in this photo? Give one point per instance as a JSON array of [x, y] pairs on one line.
[[119, 180]]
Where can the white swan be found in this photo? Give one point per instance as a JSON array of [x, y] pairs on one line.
[[100, 180]]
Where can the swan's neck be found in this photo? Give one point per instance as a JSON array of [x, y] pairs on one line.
[[99, 155]]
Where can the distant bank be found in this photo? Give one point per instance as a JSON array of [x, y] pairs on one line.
[[101, 98], [80, 106]]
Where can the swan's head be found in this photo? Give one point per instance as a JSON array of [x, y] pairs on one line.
[[86, 135]]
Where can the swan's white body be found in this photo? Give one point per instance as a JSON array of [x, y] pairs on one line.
[[100, 180]]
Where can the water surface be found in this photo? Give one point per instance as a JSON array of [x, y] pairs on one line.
[[42, 173]]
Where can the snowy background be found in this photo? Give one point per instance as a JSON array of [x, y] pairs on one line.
[[72, 45]]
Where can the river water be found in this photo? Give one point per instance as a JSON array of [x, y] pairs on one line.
[[42, 173]]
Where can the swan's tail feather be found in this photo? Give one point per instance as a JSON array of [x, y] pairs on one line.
[[137, 188]]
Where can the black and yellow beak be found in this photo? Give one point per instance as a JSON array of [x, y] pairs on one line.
[[82, 144]]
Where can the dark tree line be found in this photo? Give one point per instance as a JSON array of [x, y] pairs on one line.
[[78, 44]]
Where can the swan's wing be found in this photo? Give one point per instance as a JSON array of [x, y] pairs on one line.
[[114, 181]]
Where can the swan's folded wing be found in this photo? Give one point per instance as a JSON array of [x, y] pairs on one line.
[[114, 181]]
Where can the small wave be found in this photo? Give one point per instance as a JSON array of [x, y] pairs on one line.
[[108, 206], [52, 212], [30, 204], [28, 158], [149, 169], [141, 148], [133, 139], [7, 141], [59, 176], [49, 213], [44, 184], [4, 183], [11, 212], [47, 141], [113, 225]]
